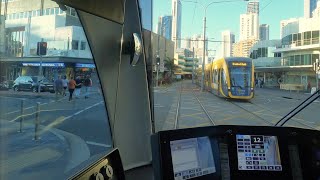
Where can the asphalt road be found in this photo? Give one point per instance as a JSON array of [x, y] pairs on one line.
[[86, 118]]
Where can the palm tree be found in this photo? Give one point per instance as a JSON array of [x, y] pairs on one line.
[[169, 64]]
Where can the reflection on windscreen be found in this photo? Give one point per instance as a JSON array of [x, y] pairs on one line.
[[49, 128]]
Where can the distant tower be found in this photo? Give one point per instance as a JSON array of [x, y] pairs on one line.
[[264, 32], [165, 26], [253, 7], [309, 7], [249, 26], [176, 23], [228, 39]]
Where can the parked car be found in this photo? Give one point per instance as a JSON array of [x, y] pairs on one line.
[[32, 83], [4, 86]]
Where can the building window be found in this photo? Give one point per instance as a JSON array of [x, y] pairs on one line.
[[277, 54], [75, 44], [297, 60], [47, 11], [306, 59], [306, 38], [83, 45], [315, 37], [56, 10], [52, 11]]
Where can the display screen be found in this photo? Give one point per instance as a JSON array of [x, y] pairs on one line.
[[258, 152], [192, 158]]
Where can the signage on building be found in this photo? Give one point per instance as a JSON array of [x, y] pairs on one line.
[[79, 65], [44, 64]]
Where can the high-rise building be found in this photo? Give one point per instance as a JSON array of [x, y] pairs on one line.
[[309, 7], [249, 26], [176, 23], [165, 26], [186, 43], [264, 32], [228, 39], [316, 12], [253, 7], [242, 48], [284, 23]]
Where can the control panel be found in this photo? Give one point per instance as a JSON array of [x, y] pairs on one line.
[[236, 152]]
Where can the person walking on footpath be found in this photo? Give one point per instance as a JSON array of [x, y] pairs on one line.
[[65, 85], [87, 84], [71, 86], [78, 87], [58, 84]]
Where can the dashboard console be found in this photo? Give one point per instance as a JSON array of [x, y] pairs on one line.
[[236, 152]]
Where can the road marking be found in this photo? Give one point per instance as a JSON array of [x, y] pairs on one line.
[[98, 144], [62, 118], [34, 106]]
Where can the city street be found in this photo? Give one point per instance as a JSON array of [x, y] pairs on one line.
[[80, 121], [266, 108]]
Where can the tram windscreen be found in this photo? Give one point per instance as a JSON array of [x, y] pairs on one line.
[[240, 78], [192, 158], [258, 152]]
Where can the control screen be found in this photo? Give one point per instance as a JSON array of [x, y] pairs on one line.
[[192, 158], [258, 152]]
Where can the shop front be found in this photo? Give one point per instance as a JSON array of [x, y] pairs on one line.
[[82, 70]]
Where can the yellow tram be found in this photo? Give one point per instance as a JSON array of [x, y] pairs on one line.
[[231, 77]]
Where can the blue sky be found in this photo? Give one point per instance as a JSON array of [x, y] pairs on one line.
[[227, 16]]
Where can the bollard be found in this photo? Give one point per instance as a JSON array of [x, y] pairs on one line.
[[21, 115], [37, 122]]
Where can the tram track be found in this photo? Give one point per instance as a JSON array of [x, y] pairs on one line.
[[179, 102], [293, 119], [240, 105]]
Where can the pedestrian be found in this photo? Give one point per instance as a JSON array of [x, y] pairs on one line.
[[58, 84], [256, 82], [78, 86], [87, 84], [71, 85], [65, 85], [259, 83], [262, 82]]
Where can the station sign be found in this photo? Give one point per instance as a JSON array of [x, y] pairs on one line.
[[79, 65], [44, 64]]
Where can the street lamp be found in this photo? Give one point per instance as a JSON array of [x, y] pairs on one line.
[[205, 7]]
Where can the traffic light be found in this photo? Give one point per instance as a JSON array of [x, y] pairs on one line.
[[41, 48], [158, 60]]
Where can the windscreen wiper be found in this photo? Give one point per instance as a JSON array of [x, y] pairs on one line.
[[299, 108]]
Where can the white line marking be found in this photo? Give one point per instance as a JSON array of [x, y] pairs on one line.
[[61, 119], [98, 144]]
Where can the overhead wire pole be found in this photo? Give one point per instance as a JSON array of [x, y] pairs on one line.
[[205, 7]]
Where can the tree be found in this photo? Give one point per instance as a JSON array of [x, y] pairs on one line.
[[169, 64]]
